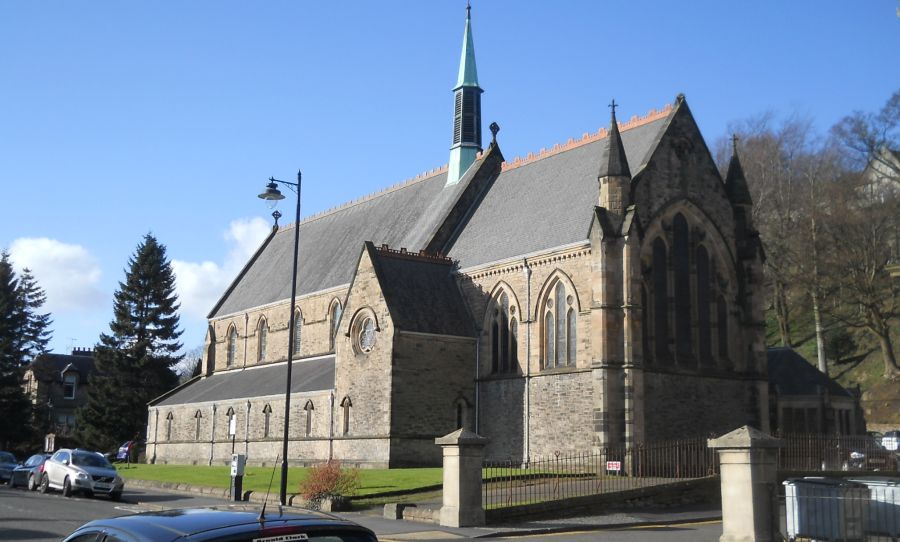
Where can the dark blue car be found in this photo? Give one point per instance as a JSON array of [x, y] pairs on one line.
[[7, 463], [29, 473], [211, 525]]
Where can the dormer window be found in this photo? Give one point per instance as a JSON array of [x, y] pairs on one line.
[[70, 382]]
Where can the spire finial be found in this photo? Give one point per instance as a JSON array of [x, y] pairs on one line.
[[468, 9], [613, 105], [494, 127], [734, 141]]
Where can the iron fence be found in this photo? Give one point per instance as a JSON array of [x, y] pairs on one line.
[[814, 452], [607, 470]]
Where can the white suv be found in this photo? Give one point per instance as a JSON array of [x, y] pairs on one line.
[[81, 470]]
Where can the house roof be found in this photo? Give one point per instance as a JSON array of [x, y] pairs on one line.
[[557, 188], [306, 376], [50, 366], [791, 374], [413, 285]]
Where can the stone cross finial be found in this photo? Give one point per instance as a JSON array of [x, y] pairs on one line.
[[276, 215], [613, 105], [734, 140], [494, 127]]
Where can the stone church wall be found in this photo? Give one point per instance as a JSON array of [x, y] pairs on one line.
[[680, 406], [315, 334], [501, 417], [561, 408], [432, 375]]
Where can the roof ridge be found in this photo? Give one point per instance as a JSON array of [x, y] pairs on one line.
[[421, 255], [424, 176], [634, 122]]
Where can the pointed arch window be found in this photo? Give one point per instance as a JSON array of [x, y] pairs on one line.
[[703, 302], [660, 301], [232, 422], [722, 323], [336, 311], [169, 420], [504, 336], [298, 331], [346, 405], [309, 408], [198, 419], [682, 270], [262, 338], [267, 418], [560, 328], [231, 343]]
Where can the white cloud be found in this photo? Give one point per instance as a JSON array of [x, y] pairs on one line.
[[69, 274], [200, 285]]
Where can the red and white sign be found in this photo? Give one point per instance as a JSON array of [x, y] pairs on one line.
[[614, 466]]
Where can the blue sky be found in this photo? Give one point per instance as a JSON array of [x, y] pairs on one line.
[[122, 118]]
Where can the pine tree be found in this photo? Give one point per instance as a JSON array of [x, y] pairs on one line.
[[134, 362], [24, 335]]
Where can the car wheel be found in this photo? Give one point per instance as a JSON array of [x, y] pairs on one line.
[[32, 483], [67, 487], [116, 496], [89, 494], [45, 483]]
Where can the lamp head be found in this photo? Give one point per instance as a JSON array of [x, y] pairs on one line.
[[272, 195]]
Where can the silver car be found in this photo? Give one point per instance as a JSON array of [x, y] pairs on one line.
[[81, 471]]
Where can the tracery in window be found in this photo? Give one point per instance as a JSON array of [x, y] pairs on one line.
[[504, 334], [560, 327]]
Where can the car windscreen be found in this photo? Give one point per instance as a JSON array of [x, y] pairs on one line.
[[6, 457], [90, 460]]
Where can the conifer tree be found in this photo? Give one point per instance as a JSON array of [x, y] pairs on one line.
[[24, 334], [134, 362]]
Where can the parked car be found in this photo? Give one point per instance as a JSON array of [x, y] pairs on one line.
[[29, 473], [211, 525], [81, 471], [870, 455], [7, 463], [891, 440]]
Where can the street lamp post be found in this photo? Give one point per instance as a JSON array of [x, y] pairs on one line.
[[272, 196]]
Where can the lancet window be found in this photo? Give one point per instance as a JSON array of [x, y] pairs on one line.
[[560, 334], [231, 344], [504, 329], [262, 338]]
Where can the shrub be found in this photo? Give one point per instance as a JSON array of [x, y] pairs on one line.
[[328, 480]]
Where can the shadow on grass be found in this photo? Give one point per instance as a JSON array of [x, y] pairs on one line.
[[851, 363]]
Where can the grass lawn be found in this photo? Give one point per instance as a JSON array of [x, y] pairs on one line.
[[373, 481]]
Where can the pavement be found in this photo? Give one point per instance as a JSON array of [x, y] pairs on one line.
[[402, 530]]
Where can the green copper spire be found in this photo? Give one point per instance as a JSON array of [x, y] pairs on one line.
[[466, 110], [468, 75]]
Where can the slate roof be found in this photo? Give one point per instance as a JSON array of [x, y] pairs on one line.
[[330, 244], [546, 203], [533, 206], [49, 366], [306, 376], [791, 374], [413, 286]]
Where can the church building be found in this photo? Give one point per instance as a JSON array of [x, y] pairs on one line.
[[603, 292]]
